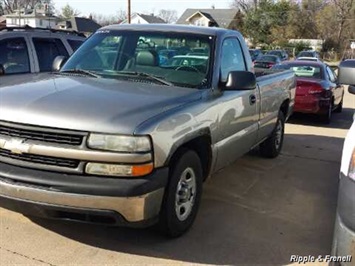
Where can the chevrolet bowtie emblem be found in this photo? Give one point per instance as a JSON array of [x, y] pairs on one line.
[[16, 146]]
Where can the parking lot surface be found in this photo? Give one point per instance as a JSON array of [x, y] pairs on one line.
[[256, 211]]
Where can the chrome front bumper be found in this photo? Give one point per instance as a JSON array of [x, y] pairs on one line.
[[132, 209]]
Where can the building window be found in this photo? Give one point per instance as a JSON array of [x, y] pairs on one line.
[[41, 22]]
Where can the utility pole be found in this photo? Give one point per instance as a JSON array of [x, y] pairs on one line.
[[129, 12]]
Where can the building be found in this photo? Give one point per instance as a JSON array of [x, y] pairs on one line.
[[39, 17], [315, 44], [80, 24], [137, 18], [224, 18], [2, 22]]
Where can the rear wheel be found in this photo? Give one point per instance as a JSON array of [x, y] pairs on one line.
[[339, 108], [183, 194], [327, 118], [272, 146]]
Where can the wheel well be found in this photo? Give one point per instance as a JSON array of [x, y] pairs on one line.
[[202, 146], [284, 107]]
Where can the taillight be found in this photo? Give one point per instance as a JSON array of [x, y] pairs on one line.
[[315, 89], [270, 64]]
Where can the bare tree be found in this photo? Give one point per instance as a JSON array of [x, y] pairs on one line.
[[105, 20], [344, 11], [169, 16], [245, 5], [9, 6]]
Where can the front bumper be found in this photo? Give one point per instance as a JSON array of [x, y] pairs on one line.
[[82, 198]]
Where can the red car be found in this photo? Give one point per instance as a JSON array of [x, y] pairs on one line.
[[317, 91]]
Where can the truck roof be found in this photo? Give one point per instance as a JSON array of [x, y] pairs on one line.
[[170, 27]]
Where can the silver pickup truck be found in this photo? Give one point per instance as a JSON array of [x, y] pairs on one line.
[[123, 135]]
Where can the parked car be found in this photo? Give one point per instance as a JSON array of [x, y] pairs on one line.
[[198, 62], [318, 90], [282, 54], [31, 50], [344, 230], [131, 143], [309, 53], [267, 61], [315, 59], [255, 54]]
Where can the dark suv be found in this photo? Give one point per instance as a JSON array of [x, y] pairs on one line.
[[32, 50]]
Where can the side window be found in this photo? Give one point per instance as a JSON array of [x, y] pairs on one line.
[[331, 75], [232, 58], [47, 50], [14, 56], [75, 44]]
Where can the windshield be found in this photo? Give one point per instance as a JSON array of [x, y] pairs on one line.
[[129, 54]]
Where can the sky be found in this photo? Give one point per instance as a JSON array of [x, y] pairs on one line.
[[110, 7]]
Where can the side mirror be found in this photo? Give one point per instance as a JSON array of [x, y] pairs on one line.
[[351, 89], [2, 70], [58, 62], [346, 72], [240, 80]]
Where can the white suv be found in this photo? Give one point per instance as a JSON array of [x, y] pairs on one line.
[[344, 232], [32, 50]]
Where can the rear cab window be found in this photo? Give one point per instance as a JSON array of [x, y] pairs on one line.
[[232, 58], [47, 49], [14, 56]]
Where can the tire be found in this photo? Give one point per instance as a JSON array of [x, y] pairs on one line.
[[327, 118], [183, 194], [272, 146], [339, 108]]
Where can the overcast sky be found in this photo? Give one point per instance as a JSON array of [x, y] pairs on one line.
[[110, 7]]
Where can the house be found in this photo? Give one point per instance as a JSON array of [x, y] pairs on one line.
[[79, 24], [224, 18], [37, 17], [315, 44], [137, 18], [2, 22]]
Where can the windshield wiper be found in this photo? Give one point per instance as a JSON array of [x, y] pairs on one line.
[[146, 75], [82, 72]]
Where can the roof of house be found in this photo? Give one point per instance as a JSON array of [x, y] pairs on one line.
[[223, 17], [151, 18], [81, 24]]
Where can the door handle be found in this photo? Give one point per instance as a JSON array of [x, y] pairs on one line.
[[252, 99]]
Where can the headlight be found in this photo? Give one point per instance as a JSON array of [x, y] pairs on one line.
[[119, 143]]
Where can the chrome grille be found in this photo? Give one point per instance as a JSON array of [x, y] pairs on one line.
[[39, 135], [40, 159]]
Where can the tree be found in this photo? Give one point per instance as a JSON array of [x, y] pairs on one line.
[[68, 12], [9, 6], [105, 20], [245, 5], [169, 16], [344, 14]]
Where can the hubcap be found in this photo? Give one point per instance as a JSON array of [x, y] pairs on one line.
[[185, 194], [278, 138]]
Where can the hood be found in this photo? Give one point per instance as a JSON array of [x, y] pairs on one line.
[[89, 104]]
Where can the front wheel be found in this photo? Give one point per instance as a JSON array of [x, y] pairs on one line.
[[183, 194], [272, 146]]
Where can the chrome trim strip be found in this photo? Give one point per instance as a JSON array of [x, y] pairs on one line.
[[133, 209], [76, 154]]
